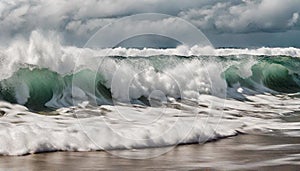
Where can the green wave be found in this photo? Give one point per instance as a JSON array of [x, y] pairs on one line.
[[43, 85], [37, 87], [280, 74]]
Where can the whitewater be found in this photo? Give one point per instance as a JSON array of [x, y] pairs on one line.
[[65, 98]]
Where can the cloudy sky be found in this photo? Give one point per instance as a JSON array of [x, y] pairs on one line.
[[226, 23]]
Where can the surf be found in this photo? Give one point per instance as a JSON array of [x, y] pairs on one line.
[[178, 77], [141, 98]]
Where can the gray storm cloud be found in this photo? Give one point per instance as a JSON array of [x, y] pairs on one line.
[[247, 16], [77, 20]]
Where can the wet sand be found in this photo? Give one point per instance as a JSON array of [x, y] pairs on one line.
[[243, 152]]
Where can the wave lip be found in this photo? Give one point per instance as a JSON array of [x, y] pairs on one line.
[[47, 52]]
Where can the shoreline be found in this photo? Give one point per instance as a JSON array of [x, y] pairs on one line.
[[233, 153]]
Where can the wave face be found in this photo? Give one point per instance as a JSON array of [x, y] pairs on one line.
[[139, 98], [139, 79], [196, 70]]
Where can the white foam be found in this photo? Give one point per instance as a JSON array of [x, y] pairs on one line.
[[103, 128], [47, 52], [86, 128], [126, 81]]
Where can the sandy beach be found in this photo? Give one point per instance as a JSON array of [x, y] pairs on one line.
[[246, 152]]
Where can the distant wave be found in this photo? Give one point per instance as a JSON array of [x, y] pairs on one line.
[[201, 51]]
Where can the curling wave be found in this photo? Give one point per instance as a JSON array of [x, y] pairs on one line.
[[138, 80], [42, 73]]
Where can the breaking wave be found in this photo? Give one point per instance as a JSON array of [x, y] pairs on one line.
[[42, 73], [162, 77], [250, 90]]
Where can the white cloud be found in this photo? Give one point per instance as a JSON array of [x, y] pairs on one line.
[[77, 19]]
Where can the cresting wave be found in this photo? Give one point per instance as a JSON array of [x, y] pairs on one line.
[[59, 98], [43, 73], [161, 78], [47, 52]]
